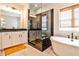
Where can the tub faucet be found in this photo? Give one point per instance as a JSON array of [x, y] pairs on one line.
[[72, 36]]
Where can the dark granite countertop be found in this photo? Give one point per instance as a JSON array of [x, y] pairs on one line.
[[10, 30], [35, 29]]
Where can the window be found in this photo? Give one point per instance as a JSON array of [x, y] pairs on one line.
[[69, 18], [65, 19], [76, 17], [44, 21]]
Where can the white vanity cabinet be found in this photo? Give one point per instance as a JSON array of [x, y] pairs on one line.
[[6, 39], [9, 39], [19, 37]]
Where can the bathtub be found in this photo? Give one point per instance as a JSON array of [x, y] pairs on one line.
[[64, 46]]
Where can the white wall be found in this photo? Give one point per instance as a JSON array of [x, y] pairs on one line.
[[24, 17]]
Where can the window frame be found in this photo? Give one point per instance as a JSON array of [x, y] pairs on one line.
[[73, 19], [45, 22]]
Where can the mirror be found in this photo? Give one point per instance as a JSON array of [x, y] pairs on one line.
[[9, 18]]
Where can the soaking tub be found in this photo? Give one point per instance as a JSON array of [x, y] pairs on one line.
[[64, 46]]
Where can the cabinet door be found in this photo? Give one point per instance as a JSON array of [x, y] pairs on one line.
[[0, 42], [19, 37], [1, 52], [15, 38], [6, 39], [23, 37]]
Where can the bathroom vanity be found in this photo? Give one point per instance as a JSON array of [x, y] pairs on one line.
[[12, 37], [65, 46]]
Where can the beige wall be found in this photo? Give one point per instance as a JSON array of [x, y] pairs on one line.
[[24, 17]]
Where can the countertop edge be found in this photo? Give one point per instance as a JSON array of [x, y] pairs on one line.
[[12, 30]]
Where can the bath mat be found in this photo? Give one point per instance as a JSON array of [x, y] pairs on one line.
[[14, 49]]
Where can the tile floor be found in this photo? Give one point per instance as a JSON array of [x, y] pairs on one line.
[[30, 51]]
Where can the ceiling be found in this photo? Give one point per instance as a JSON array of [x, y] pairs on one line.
[[36, 6], [41, 5]]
